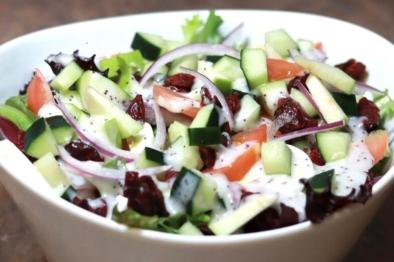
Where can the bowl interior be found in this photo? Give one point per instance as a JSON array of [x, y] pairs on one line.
[[340, 39]]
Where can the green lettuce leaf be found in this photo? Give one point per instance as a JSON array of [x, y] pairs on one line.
[[133, 59], [195, 31]]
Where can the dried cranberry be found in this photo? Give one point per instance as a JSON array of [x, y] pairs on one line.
[[143, 195], [355, 69], [271, 219], [180, 82], [136, 108], [226, 128], [83, 151], [206, 96], [370, 111], [314, 154], [233, 102], [12, 133], [208, 156], [291, 117], [100, 206], [168, 175]]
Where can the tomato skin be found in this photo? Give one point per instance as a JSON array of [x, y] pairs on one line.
[[175, 102], [258, 134], [279, 69], [38, 92], [241, 165], [377, 142]]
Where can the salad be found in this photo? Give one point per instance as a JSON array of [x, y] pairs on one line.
[[212, 135]]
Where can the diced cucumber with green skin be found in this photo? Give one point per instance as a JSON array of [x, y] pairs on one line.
[[303, 101], [162, 70], [177, 130], [149, 158], [151, 46], [39, 140], [133, 59], [49, 168], [75, 111], [180, 154], [204, 198], [226, 71], [185, 186], [281, 41], [200, 136], [329, 108], [69, 194], [71, 97], [98, 104], [348, 103], [102, 85], [206, 116], [248, 114], [321, 183], [113, 133], [271, 53], [67, 77], [333, 145], [19, 102], [233, 220], [254, 66], [330, 74], [276, 156], [305, 45], [62, 131], [271, 93], [20, 119], [189, 62], [189, 229]]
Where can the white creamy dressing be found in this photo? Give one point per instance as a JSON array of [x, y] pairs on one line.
[[227, 155], [49, 110], [351, 172]]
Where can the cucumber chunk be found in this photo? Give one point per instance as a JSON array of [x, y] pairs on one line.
[[67, 77], [39, 139], [329, 108], [113, 133], [177, 130], [20, 119], [19, 102], [248, 114], [271, 93], [62, 131], [189, 229], [189, 62], [298, 96], [180, 154], [276, 156], [49, 168], [149, 158], [254, 66], [151, 46], [234, 220], [204, 198], [332, 75], [226, 71], [204, 136], [333, 145], [348, 103], [206, 116], [280, 41]]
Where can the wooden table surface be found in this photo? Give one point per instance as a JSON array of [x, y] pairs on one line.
[[18, 17]]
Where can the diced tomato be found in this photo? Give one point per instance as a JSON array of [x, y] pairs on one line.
[[242, 164], [175, 102], [258, 134], [377, 142], [279, 69], [38, 92]]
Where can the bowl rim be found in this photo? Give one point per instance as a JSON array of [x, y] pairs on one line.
[[111, 225]]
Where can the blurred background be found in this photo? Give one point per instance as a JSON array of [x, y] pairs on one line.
[[18, 17]]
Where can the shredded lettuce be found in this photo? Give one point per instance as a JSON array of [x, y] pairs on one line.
[[133, 60], [385, 105], [196, 31]]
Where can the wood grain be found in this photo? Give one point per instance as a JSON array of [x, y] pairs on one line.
[[18, 17]]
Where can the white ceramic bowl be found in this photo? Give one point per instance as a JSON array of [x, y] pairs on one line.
[[68, 233]]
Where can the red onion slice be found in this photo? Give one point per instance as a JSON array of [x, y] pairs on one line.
[[102, 146], [207, 49], [233, 35], [310, 131], [215, 92], [90, 168], [161, 131], [308, 96], [361, 88]]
